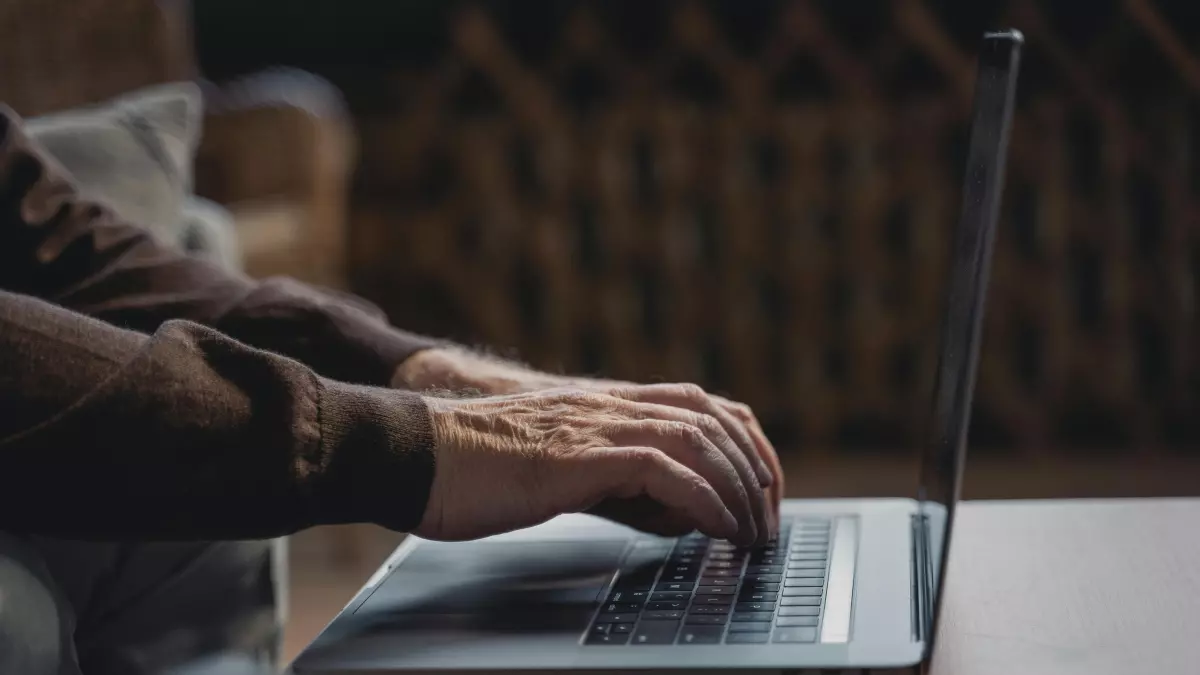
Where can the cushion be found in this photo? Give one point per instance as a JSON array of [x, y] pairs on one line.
[[134, 152], [207, 230]]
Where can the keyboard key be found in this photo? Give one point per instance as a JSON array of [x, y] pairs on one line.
[[701, 635], [609, 639], [655, 633], [722, 556], [760, 587], [796, 621], [799, 611], [682, 568], [806, 565], [810, 542], [751, 616], [664, 615], [806, 556], [810, 601], [813, 544], [712, 600], [723, 581], [631, 597], [676, 605], [767, 560], [763, 578], [757, 597], [728, 574], [708, 619], [617, 618], [806, 574], [754, 607], [793, 583], [619, 607], [793, 592], [799, 634], [622, 628], [671, 577], [709, 609], [764, 569], [601, 628], [722, 565], [750, 627], [746, 638], [716, 590], [675, 586]]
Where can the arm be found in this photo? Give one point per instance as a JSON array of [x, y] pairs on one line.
[[189, 434], [58, 247], [106, 432]]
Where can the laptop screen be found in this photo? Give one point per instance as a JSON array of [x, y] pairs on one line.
[[941, 465]]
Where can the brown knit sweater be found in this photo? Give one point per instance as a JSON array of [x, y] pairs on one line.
[[147, 394]]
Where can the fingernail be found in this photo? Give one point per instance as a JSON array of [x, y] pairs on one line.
[[731, 524]]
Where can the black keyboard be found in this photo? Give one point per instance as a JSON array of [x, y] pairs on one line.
[[697, 591]]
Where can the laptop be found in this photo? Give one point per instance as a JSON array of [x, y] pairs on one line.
[[846, 584]]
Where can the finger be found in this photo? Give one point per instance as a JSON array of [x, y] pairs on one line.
[[646, 471], [646, 515], [738, 455], [692, 397], [764, 447], [692, 447]]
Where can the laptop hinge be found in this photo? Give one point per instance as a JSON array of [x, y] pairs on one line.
[[922, 578]]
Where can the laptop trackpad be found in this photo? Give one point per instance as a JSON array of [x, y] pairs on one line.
[[497, 586]]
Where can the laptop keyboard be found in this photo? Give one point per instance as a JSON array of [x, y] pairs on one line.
[[697, 591]]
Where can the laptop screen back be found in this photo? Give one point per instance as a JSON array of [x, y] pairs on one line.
[[942, 463]]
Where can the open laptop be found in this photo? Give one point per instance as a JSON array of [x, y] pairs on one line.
[[848, 583]]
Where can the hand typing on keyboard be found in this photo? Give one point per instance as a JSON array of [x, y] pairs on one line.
[[695, 591], [663, 458]]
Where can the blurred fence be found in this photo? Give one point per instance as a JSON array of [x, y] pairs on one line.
[[759, 196]]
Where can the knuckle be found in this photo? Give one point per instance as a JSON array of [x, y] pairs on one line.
[[692, 391], [648, 458], [710, 425], [693, 435]]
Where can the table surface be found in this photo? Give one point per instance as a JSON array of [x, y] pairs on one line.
[[1068, 587]]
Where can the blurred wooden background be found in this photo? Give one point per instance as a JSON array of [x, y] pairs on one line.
[[757, 196]]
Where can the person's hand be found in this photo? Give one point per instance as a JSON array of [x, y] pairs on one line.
[[737, 419], [461, 370], [508, 462]]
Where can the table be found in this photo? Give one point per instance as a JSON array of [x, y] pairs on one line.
[[1066, 587]]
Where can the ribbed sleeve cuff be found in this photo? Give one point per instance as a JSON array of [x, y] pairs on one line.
[[378, 456]]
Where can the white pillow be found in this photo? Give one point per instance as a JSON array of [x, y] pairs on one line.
[[133, 152]]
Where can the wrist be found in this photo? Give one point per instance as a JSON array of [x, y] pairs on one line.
[[462, 371]]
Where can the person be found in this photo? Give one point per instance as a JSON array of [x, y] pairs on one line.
[[160, 418]]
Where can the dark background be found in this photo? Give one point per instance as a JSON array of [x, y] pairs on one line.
[[757, 196]]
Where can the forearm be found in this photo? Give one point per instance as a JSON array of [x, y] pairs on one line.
[[187, 433], [57, 246]]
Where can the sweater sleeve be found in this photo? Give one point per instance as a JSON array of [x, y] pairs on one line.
[[189, 434], [57, 246]]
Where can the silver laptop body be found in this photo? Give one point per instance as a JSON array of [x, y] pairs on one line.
[[850, 584]]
